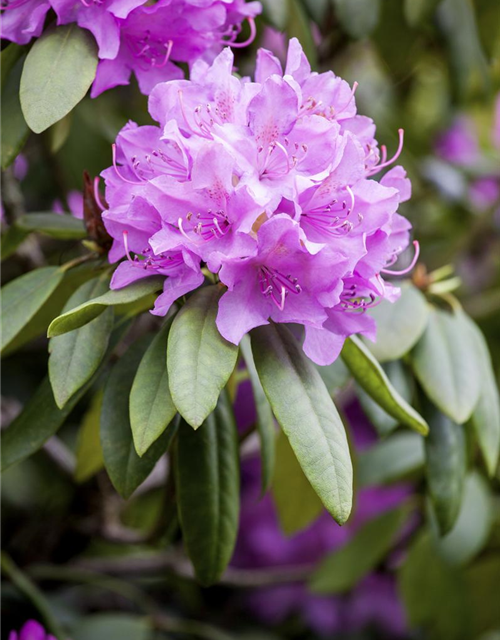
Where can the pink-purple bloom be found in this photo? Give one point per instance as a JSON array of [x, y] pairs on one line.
[[136, 37], [31, 630], [270, 185]]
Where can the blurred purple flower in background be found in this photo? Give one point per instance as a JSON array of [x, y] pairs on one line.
[[31, 630]]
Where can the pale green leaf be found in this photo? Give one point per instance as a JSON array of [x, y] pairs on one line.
[[199, 360], [371, 378], [399, 456], [446, 364], [57, 74], [87, 311], [151, 406], [89, 458], [307, 415]]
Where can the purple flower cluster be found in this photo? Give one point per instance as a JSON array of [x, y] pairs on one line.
[[32, 630], [270, 185], [134, 36]]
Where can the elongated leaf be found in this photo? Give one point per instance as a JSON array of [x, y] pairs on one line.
[[39, 420], [486, 416], [11, 240], [416, 11], [89, 458], [307, 415], [23, 297], [432, 593], [446, 364], [399, 324], [87, 311], [473, 525], [58, 72], [446, 467], [382, 421], [265, 418], [125, 468], [52, 307], [208, 491], [14, 130], [63, 227], [76, 355], [334, 375], [392, 459], [112, 626], [8, 59], [344, 568], [151, 405], [199, 359], [296, 502], [371, 377]]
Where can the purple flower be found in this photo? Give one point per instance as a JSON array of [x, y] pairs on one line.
[[31, 630], [134, 36], [152, 37], [270, 185], [459, 144], [22, 20]]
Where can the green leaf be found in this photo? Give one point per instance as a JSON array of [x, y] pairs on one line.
[[52, 307], [125, 468], [39, 420], [151, 406], [62, 227], [446, 364], [76, 355], [23, 297], [392, 459], [307, 415], [14, 130], [399, 324], [58, 72], [334, 375], [112, 626], [208, 491], [8, 59], [371, 378], [417, 11], [347, 566], [265, 418], [11, 239], [86, 312], [432, 593], [382, 421], [296, 502], [358, 17], [199, 360], [89, 458], [482, 587], [486, 416], [446, 467], [473, 525]]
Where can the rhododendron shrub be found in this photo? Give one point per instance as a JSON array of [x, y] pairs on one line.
[[246, 350], [270, 184]]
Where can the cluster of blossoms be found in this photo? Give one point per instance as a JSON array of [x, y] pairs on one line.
[[269, 184], [372, 604], [134, 36]]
